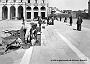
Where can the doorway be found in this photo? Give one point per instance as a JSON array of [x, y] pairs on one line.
[[43, 15], [4, 12], [35, 15], [28, 15]]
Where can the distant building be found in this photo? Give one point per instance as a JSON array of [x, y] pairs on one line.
[[29, 9], [82, 13]]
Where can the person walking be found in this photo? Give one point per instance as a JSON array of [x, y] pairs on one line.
[[47, 21], [40, 22], [70, 20], [79, 22], [52, 20]]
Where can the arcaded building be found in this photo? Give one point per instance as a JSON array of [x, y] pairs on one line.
[[29, 9]]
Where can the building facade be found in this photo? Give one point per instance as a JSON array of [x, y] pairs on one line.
[[29, 9]]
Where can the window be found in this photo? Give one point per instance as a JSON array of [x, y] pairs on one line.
[[28, 1]]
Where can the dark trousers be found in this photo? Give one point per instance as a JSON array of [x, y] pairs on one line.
[[79, 27]]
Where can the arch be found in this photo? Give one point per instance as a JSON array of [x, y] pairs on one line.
[[4, 12], [28, 8], [20, 12], [35, 8], [12, 12], [43, 8]]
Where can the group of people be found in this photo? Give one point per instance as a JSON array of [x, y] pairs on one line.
[[50, 20], [79, 22], [29, 31], [26, 30]]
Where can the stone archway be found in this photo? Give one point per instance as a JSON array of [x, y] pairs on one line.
[[20, 12], [4, 12], [35, 8], [29, 12], [35, 12], [43, 13], [12, 12], [43, 8], [28, 8]]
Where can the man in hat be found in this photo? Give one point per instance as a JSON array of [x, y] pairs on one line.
[[22, 33], [79, 22], [70, 20]]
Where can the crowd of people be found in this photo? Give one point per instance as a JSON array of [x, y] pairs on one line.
[[29, 31], [79, 21]]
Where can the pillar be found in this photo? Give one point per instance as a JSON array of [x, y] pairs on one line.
[[8, 12], [39, 12], [0, 12], [16, 12], [32, 12], [46, 11]]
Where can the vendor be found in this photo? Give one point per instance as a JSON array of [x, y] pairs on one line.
[[25, 32]]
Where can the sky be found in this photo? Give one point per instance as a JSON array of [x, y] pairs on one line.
[[69, 4]]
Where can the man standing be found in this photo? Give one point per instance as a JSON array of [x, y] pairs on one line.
[[79, 22], [47, 20], [22, 32], [52, 20], [70, 20], [39, 22]]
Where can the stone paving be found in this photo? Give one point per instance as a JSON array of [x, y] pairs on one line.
[[54, 49]]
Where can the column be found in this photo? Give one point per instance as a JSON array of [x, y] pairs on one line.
[[39, 12], [16, 12], [32, 13], [46, 12], [0, 12], [8, 12]]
